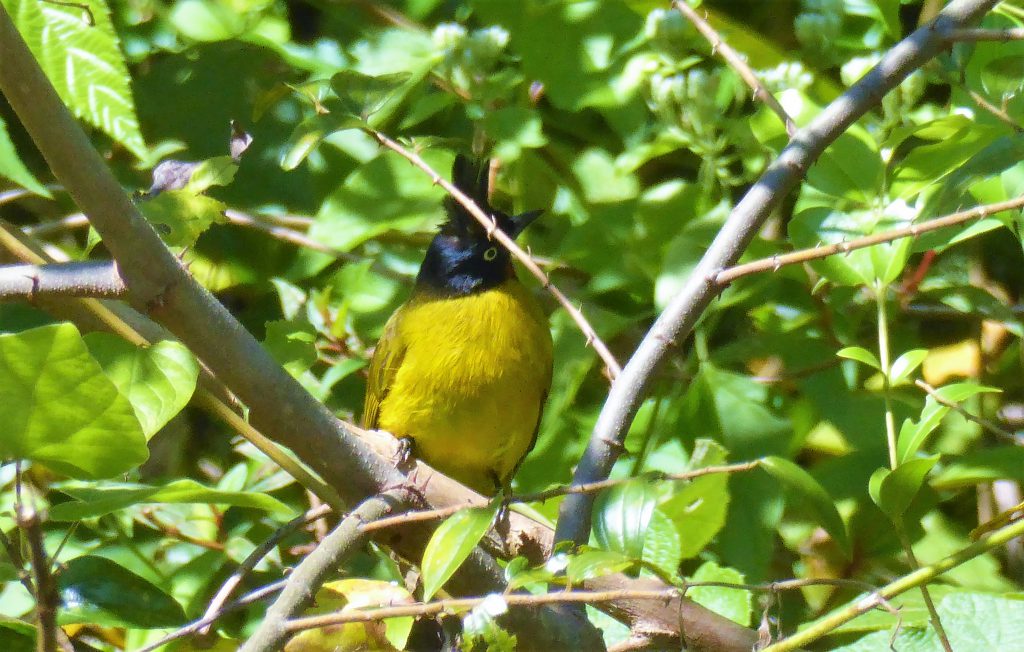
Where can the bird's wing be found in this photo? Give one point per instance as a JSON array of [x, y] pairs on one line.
[[387, 358]]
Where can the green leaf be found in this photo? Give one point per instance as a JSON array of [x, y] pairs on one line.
[[850, 168], [158, 380], [663, 545], [913, 435], [734, 604], [894, 490], [181, 216], [216, 171], [83, 62], [811, 493], [905, 365], [91, 501], [955, 140], [698, 508], [60, 409], [17, 635], [293, 345], [96, 591], [862, 355], [590, 563], [451, 544], [621, 516], [12, 168]]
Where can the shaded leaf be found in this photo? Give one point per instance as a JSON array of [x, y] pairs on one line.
[[95, 590], [451, 544], [805, 487]]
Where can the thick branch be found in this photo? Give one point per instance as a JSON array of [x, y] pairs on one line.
[[675, 323], [98, 279]]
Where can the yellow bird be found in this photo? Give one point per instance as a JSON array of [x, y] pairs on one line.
[[464, 366]]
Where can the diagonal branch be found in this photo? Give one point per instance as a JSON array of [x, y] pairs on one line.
[[737, 63], [675, 323]]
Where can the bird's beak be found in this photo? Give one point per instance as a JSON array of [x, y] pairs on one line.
[[521, 221]]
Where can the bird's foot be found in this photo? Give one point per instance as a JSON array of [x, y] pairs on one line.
[[404, 452]]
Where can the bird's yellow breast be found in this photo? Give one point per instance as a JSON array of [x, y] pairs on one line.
[[465, 378]]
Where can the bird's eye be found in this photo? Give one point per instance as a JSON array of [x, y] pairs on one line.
[[491, 254]]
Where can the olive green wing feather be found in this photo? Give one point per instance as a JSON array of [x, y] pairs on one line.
[[387, 358]]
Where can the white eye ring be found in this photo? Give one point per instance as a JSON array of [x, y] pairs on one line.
[[491, 254]]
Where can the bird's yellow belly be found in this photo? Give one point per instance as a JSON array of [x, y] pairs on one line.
[[471, 384]]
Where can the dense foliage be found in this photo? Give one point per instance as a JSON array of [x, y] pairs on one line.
[[622, 123]]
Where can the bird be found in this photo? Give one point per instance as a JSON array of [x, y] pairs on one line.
[[463, 368]]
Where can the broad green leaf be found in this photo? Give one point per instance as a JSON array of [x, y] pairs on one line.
[[860, 354], [96, 591], [734, 604], [375, 98], [893, 490], [12, 168], [807, 489], [663, 545], [91, 500], [158, 380], [451, 544], [82, 59], [956, 139], [17, 635], [293, 345], [698, 508], [514, 129], [60, 409], [985, 465], [590, 563], [850, 168], [181, 216], [905, 365], [622, 515], [602, 179]]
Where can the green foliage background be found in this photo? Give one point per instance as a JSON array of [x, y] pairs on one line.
[[616, 118]]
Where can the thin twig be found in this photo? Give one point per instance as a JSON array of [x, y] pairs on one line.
[[740, 228], [727, 276], [228, 587], [982, 34], [204, 622], [737, 63], [419, 516], [956, 407], [309, 574], [456, 605], [493, 231]]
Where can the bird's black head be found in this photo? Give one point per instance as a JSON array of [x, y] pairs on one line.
[[461, 258]]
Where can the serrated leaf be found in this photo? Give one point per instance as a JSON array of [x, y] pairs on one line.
[[60, 409], [451, 544], [158, 380], [862, 355], [804, 486], [91, 501], [77, 47], [894, 490], [180, 216], [96, 591], [621, 516]]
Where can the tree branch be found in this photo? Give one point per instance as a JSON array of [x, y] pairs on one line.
[[982, 34], [727, 276], [737, 63], [97, 279], [913, 580], [675, 323]]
